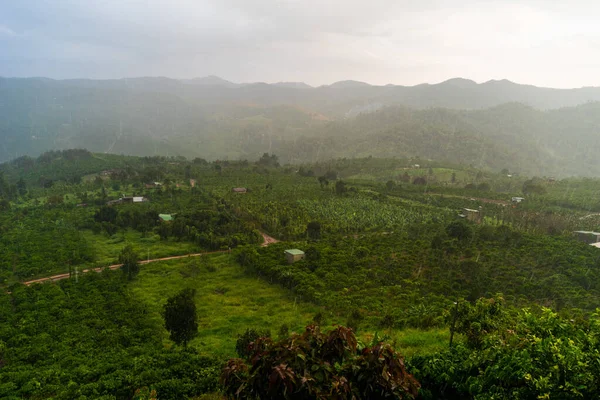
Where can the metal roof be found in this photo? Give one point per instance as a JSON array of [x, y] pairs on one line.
[[165, 217], [294, 252]]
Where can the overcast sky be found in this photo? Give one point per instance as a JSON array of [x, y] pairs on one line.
[[540, 42]]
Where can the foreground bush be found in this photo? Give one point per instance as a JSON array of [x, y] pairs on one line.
[[315, 365]]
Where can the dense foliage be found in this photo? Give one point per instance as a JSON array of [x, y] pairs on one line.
[[90, 339], [531, 355], [381, 254], [315, 365]]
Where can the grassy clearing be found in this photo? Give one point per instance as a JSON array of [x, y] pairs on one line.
[[107, 249], [229, 302], [413, 341]]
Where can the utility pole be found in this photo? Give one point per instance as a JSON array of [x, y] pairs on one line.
[[76, 275], [453, 327]]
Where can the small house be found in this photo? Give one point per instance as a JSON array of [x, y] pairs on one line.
[[588, 237], [127, 199], [192, 182], [239, 190], [517, 199], [293, 255], [471, 215], [165, 217]]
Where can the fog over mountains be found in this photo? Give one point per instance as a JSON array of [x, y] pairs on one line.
[[496, 124]]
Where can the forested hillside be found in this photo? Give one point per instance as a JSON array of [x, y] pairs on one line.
[[216, 120]]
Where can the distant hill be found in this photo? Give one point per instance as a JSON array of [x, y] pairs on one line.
[[294, 85], [211, 80], [497, 124], [348, 84]]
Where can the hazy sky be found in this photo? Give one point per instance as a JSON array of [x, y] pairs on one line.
[[541, 42]]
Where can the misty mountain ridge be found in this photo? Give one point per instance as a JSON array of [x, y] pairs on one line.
[[496, 124], [212, 80], [334, 100]]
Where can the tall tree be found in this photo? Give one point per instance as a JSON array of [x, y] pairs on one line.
[[129, 259], [181, 317]]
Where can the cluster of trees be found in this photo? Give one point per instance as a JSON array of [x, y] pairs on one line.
[[110, 218], [210, 229], [508, 354], [386, 256], [408, 279], [39, 241], [268, 160], [91, 339]]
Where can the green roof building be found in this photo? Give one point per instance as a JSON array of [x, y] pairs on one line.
[[165, 217], [294, 255]]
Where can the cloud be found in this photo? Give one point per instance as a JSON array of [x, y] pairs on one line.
[[379, 41], [6, 31]]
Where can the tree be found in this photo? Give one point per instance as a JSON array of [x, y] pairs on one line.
[[340, 187], [106, 214], [459, 230], [330, 175], [268, 160], [405, 177], [531, 187], [484, 187], [129, 259], [4, 204], [180, 316], [420, 180], [323, 182], [453, 178], [21, 187], [55, 200], [244, 342], [313, 230]]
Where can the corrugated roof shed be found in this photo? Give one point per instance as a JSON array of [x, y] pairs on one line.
[[295, 252], [165, 217]]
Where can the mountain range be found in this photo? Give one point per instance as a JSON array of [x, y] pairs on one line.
[[496, 124]]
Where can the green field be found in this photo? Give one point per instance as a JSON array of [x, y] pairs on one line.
[[147, 246], [229, 302]]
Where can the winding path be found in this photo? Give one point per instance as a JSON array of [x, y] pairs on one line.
[[267, 241]]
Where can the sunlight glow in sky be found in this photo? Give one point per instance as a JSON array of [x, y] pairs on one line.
[[536, 42]]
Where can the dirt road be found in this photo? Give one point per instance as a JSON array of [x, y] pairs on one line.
[[267, 241], [490, 201]]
